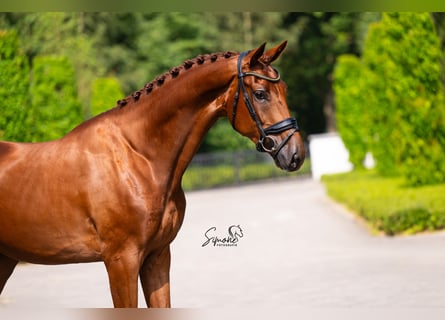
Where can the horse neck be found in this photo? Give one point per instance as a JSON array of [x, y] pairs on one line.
[[167, 125]]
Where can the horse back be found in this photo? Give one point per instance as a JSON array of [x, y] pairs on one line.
[[9, 153]]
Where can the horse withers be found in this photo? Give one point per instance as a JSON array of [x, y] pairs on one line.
[[110, 190]]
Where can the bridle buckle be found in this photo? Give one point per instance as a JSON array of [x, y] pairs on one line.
[[266, 144]]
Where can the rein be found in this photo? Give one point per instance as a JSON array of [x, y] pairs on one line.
[[266, 142]]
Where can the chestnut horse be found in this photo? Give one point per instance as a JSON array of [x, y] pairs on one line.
[[110, 190]]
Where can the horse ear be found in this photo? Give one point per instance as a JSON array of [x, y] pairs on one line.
[[273, 54], [256, 54]]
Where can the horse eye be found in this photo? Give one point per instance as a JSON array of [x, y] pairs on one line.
[[260, 95]]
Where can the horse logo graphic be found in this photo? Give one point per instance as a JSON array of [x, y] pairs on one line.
[[235, 231], [231, 240]]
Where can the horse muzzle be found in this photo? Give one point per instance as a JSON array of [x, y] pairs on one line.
[[294, 155]]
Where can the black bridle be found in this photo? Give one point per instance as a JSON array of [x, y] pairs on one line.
[[266, 143]]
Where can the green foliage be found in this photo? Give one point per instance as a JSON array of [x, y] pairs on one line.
[[106, 91], [403, 52], [75, 35], [424, 160], [135, 47], [316, 39], [387, 204], [9, 45], [223, 137], [180, 36], [56, 109], [14, 88], [351, 114], [392, 101]]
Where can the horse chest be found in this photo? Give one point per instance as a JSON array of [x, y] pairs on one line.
[[150, 223], [166, 228]]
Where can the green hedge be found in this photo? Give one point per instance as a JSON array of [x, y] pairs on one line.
[[352, 116], [106, 92], [14, 88], [388, 204], [203, 177], [56, 108], [391, 100], [408, 118]]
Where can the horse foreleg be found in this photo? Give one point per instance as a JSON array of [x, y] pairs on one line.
[[7, 266], [155, 279], [123, 276]]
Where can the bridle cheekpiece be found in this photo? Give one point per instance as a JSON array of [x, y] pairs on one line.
[[266, 143]]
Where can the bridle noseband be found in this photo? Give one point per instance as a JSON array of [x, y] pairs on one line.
[[266, 143]]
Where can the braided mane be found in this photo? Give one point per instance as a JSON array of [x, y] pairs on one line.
[[172, 74]]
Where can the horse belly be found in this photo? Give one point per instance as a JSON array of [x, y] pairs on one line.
[[43, 217], [46, 242], [38, 229]]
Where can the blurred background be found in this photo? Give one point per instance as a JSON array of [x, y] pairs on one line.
[[370, 85], [367, 91], [106, 56]]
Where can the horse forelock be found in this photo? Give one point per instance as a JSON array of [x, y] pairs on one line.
[[174, 73]]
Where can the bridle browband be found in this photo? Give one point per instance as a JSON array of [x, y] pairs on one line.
[[266, 143]]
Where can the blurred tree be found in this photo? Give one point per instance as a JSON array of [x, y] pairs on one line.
[[318, 39], [439, 21], [408, 115], [14, 88], [71, 34], [56, 109], [223, 137], [136, 47], [350, 86], [106, 91], [169, 39], [240, 31]]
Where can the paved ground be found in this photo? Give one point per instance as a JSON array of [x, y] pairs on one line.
[[299, 249]]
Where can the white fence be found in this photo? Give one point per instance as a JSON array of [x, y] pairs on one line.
[[328, 155]]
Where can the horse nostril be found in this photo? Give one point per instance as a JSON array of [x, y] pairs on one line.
[[295, 163]]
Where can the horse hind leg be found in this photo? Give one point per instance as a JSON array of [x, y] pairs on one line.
[[7, 266], [155, 279]]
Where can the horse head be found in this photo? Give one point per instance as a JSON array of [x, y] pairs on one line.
[[262, 114], [235, 231]]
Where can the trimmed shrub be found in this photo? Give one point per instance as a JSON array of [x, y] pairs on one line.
[[56, 108], [408, 118], [106, 91], [14, 88], [387, 204], [351, 112]]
